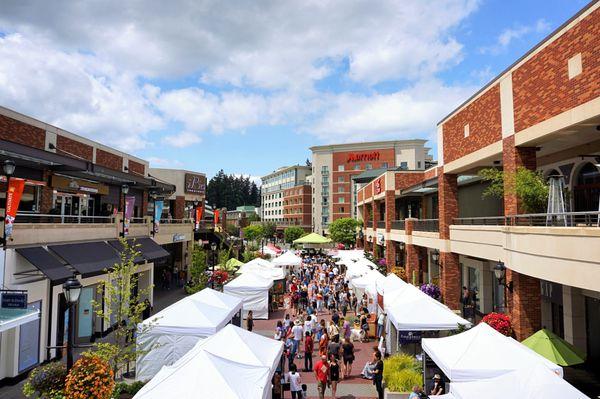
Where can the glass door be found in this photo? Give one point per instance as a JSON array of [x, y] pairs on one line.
[[85, 315], [29, 341]]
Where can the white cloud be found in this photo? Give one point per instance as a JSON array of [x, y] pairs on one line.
[[509, 35], [182, 139]]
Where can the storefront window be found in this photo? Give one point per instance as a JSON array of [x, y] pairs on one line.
[[474, 285]]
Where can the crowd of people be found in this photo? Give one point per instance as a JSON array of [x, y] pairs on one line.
[[324, 318]]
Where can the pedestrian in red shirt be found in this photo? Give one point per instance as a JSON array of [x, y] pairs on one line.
[[308, 351], [322, 374]]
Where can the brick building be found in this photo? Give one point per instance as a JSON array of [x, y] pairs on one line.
[[272, 190], [543, 114], [297, 206]]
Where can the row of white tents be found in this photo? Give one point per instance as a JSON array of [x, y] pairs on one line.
[[480, 362]]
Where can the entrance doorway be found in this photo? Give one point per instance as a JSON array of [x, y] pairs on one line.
[[74, 207], [592, 321], [586, 191]]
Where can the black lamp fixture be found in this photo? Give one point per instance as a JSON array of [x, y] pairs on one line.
[[500, 273], [402, 245], [124, 191], [435, 256], [71, 290], [9, 169]]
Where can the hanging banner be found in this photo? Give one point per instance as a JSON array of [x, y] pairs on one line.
[[129, 204], [216, 217], [199, 211], [158, 209], [13, 197]]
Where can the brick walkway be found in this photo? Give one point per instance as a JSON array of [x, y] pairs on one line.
[[354, 387]]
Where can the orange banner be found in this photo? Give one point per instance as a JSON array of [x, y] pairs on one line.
[[216, 216], [199, 211], [13, 197]]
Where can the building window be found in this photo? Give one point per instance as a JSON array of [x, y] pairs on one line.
[[341, 200], [340, 168], [357, 166], [404, 165], [340, 179], [341, 209], [324, 169], [368, 166], [418, 164], [384, 165], [340, 189], [467, 130]]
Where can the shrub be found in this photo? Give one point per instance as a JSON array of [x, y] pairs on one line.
[[432, 290], [125, 388], [90, 377], [499, 322], [47, 381], [400, 272], [401, 372]]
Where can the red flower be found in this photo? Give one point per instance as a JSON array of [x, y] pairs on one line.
[[499, 322]]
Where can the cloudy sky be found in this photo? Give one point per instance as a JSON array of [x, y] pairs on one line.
[[248, 86]]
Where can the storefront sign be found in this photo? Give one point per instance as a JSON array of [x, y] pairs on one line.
[[14, 300], [363, 156], [195, 184], [158, 209], [13, 197], [129, 204], [409, 337], [178, 237], [380, 239], [71, 185], [378, 186]]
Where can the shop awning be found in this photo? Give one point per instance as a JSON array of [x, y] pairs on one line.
[[88, 258], [148, 249], [46, 263], [11, 318]]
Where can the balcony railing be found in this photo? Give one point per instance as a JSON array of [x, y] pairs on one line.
[[398, 225], [381, 224], [432, 225], [29, 218], [369, 223], [566, 219]]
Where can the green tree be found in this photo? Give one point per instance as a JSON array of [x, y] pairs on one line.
[[529, 186], [121, 308], [198, 268], [253, 217], [269, 229], [233, 230], [343, 230], [254, 232], [293, 233]]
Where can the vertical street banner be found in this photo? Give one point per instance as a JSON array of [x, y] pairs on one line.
[[158, 209], [13, 197], [216, 217], [129, 204], [199, 212]]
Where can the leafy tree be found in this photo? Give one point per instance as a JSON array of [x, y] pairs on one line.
[[230, 191], [122, 308], [293, 233], [233, 230], [254, 232], [198, 268], [343, 230], [249, 255], [529, 186], [269, 229], [253, 217]]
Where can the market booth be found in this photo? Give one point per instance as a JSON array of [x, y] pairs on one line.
[[253, 290], [525, 383], [481, 353], [287, 259], [169, 334], [233, 363]]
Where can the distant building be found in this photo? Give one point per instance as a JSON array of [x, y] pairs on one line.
[[272, 190]]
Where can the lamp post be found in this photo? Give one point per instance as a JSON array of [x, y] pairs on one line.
[[9, 169], [153, 195], [124, 191], [213, 246], [500, 273], [71, 290]]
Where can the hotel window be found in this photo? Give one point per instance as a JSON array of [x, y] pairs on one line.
[[324, 169], [466, 131], [340, 189], [357, 166], [384, 165], [341, 209], [404, 165], [418, 164], [368, 166], [340, 179], [340, 168], [341, 200]]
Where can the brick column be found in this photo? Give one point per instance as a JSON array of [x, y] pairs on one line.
[[144, 203], [525, 304], [375, 214], [448, 203], [513, 158], [46, 194], [450, 279], [179, 207], [390, 255], [412, 263], [390, 209]]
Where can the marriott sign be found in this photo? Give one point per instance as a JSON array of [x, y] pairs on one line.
[[363, 156]]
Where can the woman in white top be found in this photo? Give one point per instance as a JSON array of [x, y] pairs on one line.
[[293, 378]]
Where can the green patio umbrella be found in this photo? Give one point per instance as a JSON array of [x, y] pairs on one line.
[[554, 348], [233, 263], [312, 238]]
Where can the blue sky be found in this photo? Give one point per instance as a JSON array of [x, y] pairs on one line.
[[250, 86]]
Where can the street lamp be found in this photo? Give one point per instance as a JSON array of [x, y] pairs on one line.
[[213, 246], [124, 191], [9, 169], [435, 257], [153, 195], [71, 290], [500, 273]]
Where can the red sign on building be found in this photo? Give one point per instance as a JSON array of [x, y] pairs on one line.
[[363, 156]]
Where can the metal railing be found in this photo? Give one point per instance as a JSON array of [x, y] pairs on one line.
[[565, 219], [176, 221], [381, 224], [432, 225], [29, 218], [398, 225]]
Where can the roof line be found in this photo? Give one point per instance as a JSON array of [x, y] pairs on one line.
[[533, 49]]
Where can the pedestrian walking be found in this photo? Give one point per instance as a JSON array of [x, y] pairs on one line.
[[334, 374], [322, 375], [348, 356], [249, 321], [378, 374], [295, 381], [308, 351]]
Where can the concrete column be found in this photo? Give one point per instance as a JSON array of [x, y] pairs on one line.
[[448, 202], [574, 317], [450, 279], [525, 304], [513, 158]]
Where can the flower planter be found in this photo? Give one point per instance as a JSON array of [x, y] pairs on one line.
[[395, 395]]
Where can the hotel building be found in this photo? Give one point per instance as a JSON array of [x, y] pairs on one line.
[[273, 189], [543, 114]]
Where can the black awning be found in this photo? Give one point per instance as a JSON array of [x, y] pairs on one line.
[[88, 258], [46, 263], [148, 249]]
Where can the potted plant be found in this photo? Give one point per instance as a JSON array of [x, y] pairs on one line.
[[90, 377], [432, 290], [499, 322], [400, 373]]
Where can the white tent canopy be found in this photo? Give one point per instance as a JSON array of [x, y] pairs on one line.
[[253, 289], [354, 270], [368, 282], [274, 273], [390, 283], [480, 353], [233, 363], [526, 383], [423, 313], [172, 332], [287, 259], [268, 251], [260, 262]]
